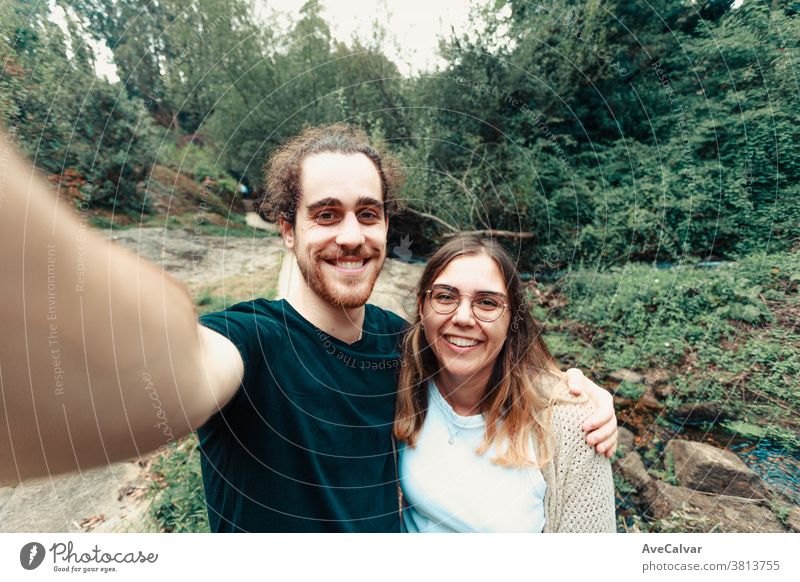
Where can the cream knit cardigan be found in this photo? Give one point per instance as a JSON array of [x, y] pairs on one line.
[[580, 488]]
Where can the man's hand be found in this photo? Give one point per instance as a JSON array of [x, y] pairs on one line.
[[602, 425]]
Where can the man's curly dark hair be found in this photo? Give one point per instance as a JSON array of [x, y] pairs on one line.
[[282, 169]]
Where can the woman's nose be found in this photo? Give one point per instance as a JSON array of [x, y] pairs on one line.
[[463, 314]]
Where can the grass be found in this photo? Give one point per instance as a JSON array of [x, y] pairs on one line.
[[179, 501]]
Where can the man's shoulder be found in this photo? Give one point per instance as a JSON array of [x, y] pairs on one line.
[[386, 319], [257, 315], [258, 307]]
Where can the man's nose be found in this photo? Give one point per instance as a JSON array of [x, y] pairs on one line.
[[350, 233]]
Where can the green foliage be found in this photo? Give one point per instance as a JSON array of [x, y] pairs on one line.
[[198, 162], [616, 133], [667, 471], [630, 390], [179, 505], [695, 323], [64, 117]]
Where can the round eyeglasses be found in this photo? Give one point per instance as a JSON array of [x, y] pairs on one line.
[[486, 306]]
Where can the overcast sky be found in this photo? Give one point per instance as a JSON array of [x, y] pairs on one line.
[[414, 25]]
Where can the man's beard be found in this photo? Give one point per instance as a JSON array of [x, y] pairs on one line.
[[353, 295]]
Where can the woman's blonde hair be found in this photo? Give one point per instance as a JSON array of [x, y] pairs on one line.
[[518, 392]]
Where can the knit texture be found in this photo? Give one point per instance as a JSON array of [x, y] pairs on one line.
[[580, 488]]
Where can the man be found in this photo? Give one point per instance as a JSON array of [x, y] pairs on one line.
[[293, 400]]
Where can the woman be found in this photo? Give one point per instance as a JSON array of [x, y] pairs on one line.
[[491, 437]]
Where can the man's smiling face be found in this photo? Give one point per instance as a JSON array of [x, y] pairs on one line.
[[339, 236]]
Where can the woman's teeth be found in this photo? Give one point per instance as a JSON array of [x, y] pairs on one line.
[[461, 342]]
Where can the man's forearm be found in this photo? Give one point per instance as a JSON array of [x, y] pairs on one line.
[[99, 351]]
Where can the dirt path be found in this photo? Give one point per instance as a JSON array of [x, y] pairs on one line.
[[116, 498]]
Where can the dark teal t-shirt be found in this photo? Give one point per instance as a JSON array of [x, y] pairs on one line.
[[305, 444]]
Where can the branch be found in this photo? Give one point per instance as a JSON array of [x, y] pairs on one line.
[[447, 225], [493, 234]]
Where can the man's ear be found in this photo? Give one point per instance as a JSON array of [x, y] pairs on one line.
[[287, 232]]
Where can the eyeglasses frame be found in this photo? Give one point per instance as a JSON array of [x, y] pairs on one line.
[[472, 305]]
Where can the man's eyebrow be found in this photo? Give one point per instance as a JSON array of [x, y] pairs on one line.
[[324, 203], [368, 201], [335, 202]]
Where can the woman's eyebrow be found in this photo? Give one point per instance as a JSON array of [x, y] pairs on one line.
[[455, 289]]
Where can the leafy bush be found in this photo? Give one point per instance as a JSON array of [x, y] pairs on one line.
[[726, 334]]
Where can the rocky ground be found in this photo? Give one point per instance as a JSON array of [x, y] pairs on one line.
[[117, 498], [713, 491], [689, 486]]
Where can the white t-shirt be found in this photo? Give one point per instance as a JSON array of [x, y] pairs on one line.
[[449, 488]]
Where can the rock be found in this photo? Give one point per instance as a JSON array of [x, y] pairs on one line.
[[793, 519], [5, 495], [625, 440], [625, 375], [656, 376], [60, 503], [707, 512], [706, 468], [620, 402], [700, 412], [648, 401], [664, 391], [631, 468], [200, 260]]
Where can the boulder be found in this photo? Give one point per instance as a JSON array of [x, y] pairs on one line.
[[705, 468], [664, 391], [625, 375], [648, 401], [625, 440], [656, 376], [699, 412], [631, 468], [707, 512]]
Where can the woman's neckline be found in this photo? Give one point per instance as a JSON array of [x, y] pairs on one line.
[[472, 421]]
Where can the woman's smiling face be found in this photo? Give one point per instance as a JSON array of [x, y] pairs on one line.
[[465, 347]]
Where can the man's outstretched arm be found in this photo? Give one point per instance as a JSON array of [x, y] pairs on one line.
[[101, 356], [601, 427]]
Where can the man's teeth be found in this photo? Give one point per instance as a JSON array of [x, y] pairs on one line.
[[461, 342], [350, 264]]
